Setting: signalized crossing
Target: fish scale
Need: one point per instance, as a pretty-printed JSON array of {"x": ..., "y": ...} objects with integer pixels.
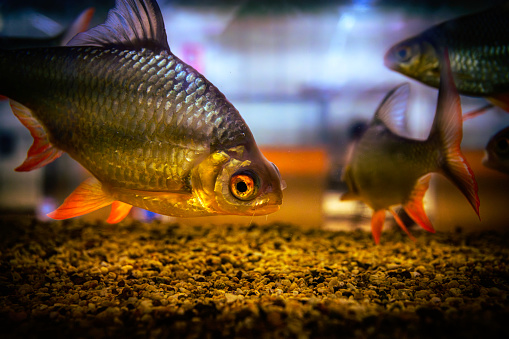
[
  {"x": 152, "y": 131},
  {"x": 131, "y": 123}
]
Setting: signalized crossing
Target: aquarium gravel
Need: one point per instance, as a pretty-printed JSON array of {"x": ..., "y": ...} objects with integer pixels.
[{"x": 77, "y": 279}]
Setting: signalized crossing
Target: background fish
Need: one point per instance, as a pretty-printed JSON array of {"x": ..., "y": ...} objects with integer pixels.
[
  {"x": 497, "y": 152},
  {"x": 79, "y": 25},
  {"x": 153, "y": 132},
  {"x": 387, "y": 169},
  {"x": 478, "y": 47}
]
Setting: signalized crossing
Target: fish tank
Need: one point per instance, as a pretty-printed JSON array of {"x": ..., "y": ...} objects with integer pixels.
[{"x": 307, "y": 78}]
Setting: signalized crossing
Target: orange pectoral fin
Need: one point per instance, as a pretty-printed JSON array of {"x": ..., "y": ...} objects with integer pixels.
[
  {"x": 401, "y": 224},
  {"x": 500, "y": 100},
  {"x": 377, "y": 224},
  {"x": 41, "y": 152},
  {"x": 87, "y": 198},
  {"x": 414, "y": 206},
  {"x": 119, "y": 210}
]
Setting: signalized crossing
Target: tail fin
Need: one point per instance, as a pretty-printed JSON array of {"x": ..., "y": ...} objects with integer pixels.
[{"x": 447, "y": 128}]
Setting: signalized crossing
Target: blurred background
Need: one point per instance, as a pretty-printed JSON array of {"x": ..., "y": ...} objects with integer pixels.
[{"x": 305, "y": 75}]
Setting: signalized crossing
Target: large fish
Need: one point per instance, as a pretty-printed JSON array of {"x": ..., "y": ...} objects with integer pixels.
[
  {"x": 478, "y": 47},
  {"x": 497, "y": 152},
  {"x": 386, "y": 169},
  {"x": 152, "y": 131},
  {"x": 79, "y": 25}
]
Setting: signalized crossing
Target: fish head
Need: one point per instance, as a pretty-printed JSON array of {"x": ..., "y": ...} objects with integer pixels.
[
  {"x": 497, "y": 152},
  {"x": 239, "y": 181},
  {"x": 415, "y": 58}
]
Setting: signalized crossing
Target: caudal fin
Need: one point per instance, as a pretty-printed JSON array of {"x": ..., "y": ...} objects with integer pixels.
[{"x": 447, "y": 128}]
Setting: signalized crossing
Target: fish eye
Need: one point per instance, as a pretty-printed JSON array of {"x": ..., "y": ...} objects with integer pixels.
[
  {"x": 503, "y": 145},
  {"x": 404, "y": 53},
  {"x": 244, "y": 185}
]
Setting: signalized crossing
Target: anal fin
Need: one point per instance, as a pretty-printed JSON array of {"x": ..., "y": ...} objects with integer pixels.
[
  {"x": 119, "y": 210},
  {"x": 41, "y": 152},
  {"x": 414, "y": 206},
  {"x": 86, "y": 198}
]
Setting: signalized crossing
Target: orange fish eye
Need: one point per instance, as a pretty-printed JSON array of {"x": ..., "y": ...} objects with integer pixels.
[{"x": 244, "y": 185}]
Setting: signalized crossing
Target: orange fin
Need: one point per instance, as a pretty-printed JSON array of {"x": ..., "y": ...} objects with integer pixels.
[
  {"x": 87, "y": 198},
  {"x": 414, "y": 206},
  {"x": 477, "y": 112},
  {"x": 401, "y": 224},
  {"x": 79, "y": 25},
  {"x": 447, "y": 127},
  {"x": 500, "y": 100},
  {"x": 41, "y": 152},
  {"x": 119, "y": 210},
  {"x": 377, "y": 224}
]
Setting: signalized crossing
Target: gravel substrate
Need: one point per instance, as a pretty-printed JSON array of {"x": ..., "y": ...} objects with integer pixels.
[{"x": 76, "y": 279}]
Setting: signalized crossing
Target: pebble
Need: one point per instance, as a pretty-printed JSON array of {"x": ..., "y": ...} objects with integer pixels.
[{"x": 161, "y": 280}]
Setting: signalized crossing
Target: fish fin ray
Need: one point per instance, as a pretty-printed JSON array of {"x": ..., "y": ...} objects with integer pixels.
[
  {"x": 447, "y": 127},
  {"x": 500, "y": 100},
  {"x": 119, "y": 210},
  {"x": 477, "y": 112},
  {"x": 377, "y": 224},
  {"x": 414, "y": 207},
  {"x": 392, "y": 110},
  {"x": 401, "y": 224},
  {"x": 86, "y": 198},
  {"x": 42, "y": 152},
  {"x": 79, "y": 25},
  {"x": 132, "y": 24}
]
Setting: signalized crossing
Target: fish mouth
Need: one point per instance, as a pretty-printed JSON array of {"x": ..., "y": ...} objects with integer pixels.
[{"x": 266, "y": 206}]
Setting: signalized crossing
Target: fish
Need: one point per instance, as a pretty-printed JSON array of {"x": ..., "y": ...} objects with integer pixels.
[
  {"x": 79, "y": 25},
  {"x": 388, "y": 169},
  {"x": 152, "y": 131},
  {"x": 497, "y": 152},
  {"x": 478, "y": 46}
]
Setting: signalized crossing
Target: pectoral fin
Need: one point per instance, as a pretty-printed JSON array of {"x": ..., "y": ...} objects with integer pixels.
[
  {"x": 87, "y": 198},
  {"x": 401, "y": 224},
  {"x": 42, "y": 152},
  {"x": 414, "y": 206},
  {"x": 377, "y": 224}
]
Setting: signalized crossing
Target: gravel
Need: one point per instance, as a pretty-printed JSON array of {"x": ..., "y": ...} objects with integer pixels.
[{"x": 77, "y": 279}]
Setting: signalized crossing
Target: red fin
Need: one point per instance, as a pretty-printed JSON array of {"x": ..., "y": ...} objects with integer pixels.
[
  {"x": 414, "y": 206},
  {"x": 401, "y": 224},
  {"x": 377, "y": 224},
  {"x": 41, "y": 152},
  {"x": 87, "y": 198},
  {"x": 477, "y": 112},
  {"x": 500, "y": 100},
  {"x": 79, "y": 25},
  {"x": 3, "y": 98},
  {"x": 447, "y": 127},
  {"x": 119, "y": 210}
]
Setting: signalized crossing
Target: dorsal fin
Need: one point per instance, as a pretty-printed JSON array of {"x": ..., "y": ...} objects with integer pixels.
[
  {"x": 132, "y": 24},
  {"x": 392, "y": 110}
]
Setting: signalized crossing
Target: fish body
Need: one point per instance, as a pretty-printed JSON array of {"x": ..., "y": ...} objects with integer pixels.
[
  {"x": 79, "y": 25},
  {"x": 497, "y": 152},
  {"x": 152, "y": 131},
  {"x": 387, "y": 169},
  {"x": 478, "y": 46}
]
